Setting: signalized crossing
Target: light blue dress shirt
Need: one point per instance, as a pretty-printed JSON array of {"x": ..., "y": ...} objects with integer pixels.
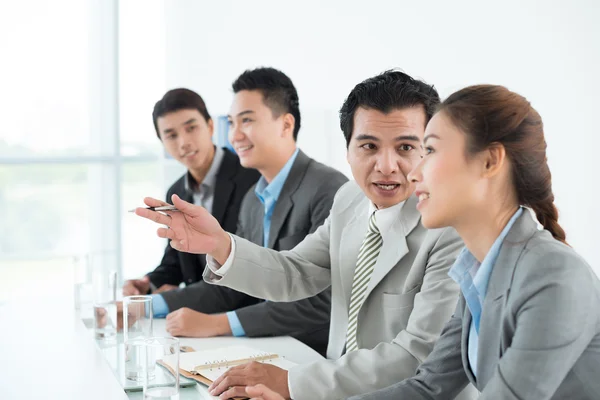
[
  {"x": 268, "y": 194},
  {"x": 473, "y": 279},
  {"x": 160, "y": 309}
]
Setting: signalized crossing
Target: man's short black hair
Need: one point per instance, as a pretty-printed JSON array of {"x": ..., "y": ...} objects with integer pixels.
[
  {"x": 386, "y": 92},
  {"x": 179, "y": 99},
  {"x": 278, "y": 91}
]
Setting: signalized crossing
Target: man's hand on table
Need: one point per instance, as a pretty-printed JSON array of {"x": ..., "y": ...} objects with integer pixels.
[
  {"x": 100, "y": 315},
  {"x": 136, "y": 287},
  {"x": 190, "y": 323},
  {"x": 233, "y": 382}
]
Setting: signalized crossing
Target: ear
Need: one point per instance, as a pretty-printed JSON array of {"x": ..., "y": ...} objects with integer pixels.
[
  {"x": 494, "y": 159},
  {"x": 211, "y": 126},
  {"x": 289, "y": 122}
]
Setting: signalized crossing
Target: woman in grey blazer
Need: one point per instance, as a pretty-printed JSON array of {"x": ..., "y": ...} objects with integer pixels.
[{"x": 527, "y": 323}]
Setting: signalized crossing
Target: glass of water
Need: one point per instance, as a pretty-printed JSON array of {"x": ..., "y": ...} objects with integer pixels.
[
  {"x": 137, "y": 327},
  {"x": 104, "y": 284},
  {"x": 166, "y": 386}
]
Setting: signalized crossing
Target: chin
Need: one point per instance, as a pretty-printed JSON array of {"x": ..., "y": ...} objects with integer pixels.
[
  {"x": 386, "y": 203},
  {"x": 246, "y": 162},
  {"x": 431, "y": 222}
]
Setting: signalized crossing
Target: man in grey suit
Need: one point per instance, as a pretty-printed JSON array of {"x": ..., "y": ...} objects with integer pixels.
[
  {"x": 291, "y": 199},
  {"x": 391, "y": 294}
]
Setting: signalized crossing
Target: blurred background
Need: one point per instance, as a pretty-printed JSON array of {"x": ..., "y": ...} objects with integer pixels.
[{"x": 79, "y": 79}]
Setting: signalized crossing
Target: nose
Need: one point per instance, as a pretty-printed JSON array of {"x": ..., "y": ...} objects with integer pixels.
[
  {"x": 415, "y": 175},
  {"x": 387, "y": 163},
  {"x": 183, "y": 141},
  {"x": 235, "y": 134}
]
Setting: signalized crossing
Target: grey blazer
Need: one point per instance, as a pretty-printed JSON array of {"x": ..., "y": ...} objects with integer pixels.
[
  {"x": 303, "y": 205},
  {"x": 409, "y": 299},
  {"x": 539, "y": 335}
]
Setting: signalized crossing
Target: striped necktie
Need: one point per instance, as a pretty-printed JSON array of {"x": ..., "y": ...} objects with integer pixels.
[{"x": 367, "y": 257}]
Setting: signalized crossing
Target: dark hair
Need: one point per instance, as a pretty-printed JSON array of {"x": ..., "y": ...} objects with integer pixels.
[
  {"x": 490, "y": 114},
  {"x": 179, "y": 99},
  {"x": 386, "y": 92},
  {"x": 278, "y": 91}
]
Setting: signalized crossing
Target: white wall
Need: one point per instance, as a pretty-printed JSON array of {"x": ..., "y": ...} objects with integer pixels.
[{"x": 548, "y": 51}]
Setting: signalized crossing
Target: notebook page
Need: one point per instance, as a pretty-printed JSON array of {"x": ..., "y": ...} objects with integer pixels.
[
  {"x": 188, "y": 361},
  {"x": 280, "y": 362}
]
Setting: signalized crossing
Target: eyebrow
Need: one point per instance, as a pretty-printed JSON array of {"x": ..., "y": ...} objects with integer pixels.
[
  {"x": 171, "y": 130},
  {"x": 412, "y": 138},
  {"x": 245, "y": 112},
  {"x": 431, "y": 136}
]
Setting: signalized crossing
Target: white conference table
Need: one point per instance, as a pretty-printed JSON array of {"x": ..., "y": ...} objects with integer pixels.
[
  {"x": 285, "y": 346},
  {"x": 47, "y": 352}
]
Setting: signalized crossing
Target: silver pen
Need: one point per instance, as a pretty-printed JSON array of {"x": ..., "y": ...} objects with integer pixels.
[{"x": 161, "y": 208}]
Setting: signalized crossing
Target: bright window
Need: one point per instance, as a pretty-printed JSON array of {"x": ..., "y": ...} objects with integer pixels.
[{"x": 77, "y": 144}]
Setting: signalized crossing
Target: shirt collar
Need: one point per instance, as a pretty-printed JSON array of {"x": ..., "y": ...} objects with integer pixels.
[
  {"x": 210, "y": 180},
  {"x": 272, "y": 190},
  {"x": 385, "y": 217},
  {"x": 466, "y": 263}
]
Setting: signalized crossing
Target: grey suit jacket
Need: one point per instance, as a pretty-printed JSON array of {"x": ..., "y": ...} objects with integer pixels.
[
  {"x": 302, "y": 206},
  {"x": 409, "y": 299},
  {"x": 539, "y": 334}
]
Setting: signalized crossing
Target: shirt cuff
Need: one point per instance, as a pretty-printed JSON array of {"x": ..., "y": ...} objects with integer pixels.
[
  {"x": 160, "y": 309},
  {"x": 217, "y": 268},
  {"x": 234, "y": 323}
]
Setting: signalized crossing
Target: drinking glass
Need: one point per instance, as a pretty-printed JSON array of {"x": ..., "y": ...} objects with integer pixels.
[
  {"x": 166, "y": 386},
  {"x": 137, "y": 327},
  {"x": 104, "y": 286}
]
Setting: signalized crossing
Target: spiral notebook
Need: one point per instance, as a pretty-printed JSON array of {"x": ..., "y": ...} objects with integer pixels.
[{"x": 206, "y": 366}]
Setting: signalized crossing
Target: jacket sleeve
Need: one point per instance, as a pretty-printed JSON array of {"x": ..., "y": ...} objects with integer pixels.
[
  {"x": 207, "y": 299},
  {"x": 300, "y": 319},
  {"x": 285, "y": 276}
]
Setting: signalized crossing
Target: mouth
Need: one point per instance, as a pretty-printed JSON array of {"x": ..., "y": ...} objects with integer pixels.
[
  {"x": 386, "y": 186},
  {"x": 243, "y": 149},
  {"x": 190, "y": 154},
  {"x": 422, "y": 195}
]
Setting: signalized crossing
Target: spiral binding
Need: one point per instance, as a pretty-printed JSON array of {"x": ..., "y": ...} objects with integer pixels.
[{"x": 218, "y": 364}]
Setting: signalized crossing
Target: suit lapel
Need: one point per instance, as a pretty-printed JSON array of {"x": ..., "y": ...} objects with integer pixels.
[
  {"x": 285, "y": 202},
  {"x": 395, "y": 247},
  {"x": 464, "y": 342},
  {"x": 254, "y": 222},
  {"x": 224, "y": 186},
  {"x": 490, "y": 339},
  {"x": 351, "y": 239}
]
